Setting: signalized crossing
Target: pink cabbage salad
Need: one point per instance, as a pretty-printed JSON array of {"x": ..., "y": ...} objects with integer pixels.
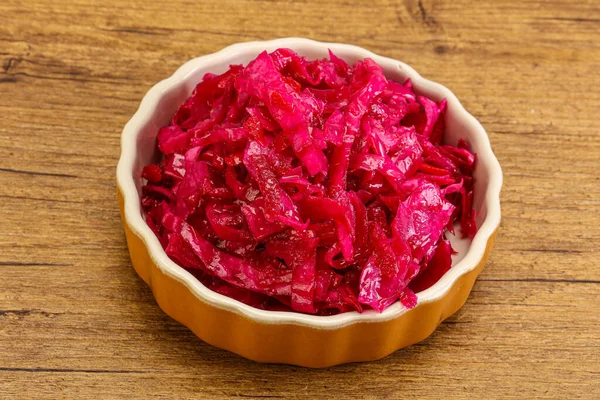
[{"x": 309, "y": 186}]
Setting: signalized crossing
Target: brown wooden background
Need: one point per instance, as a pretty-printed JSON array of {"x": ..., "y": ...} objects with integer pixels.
[{"x": 76, "y": 322}]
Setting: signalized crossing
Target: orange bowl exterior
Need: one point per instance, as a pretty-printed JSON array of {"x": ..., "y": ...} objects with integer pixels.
[{"x": 289, "y": 343}]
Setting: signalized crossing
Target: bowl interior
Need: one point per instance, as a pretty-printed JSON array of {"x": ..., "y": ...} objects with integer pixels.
[{"x": 162, "y": 101}]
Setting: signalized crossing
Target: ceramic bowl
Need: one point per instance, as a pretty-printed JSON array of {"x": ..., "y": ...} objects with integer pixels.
[{"x": 288, "y": 337}]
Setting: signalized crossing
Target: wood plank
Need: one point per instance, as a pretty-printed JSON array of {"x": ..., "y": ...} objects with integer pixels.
[{"x": 75, "y": 320}]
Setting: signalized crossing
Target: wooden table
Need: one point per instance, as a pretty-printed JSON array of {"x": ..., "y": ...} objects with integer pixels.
[{"x": 75, "y": 320}]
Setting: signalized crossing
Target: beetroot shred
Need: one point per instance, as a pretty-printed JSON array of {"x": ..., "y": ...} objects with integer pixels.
[{"x": 309, "y": 186}]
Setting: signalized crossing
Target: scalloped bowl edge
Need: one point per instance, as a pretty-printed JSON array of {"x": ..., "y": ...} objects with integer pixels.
[{"x": 287, "y": 337}]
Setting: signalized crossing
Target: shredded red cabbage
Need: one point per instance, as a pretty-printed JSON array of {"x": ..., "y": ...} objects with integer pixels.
[{"x": 310, "y": 186}]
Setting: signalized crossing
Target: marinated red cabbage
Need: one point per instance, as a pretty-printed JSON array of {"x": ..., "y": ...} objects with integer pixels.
[{"x": 309, "y": 186}]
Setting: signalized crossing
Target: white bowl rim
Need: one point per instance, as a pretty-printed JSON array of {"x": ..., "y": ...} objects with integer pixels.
[{"x": 133, "y": 215}]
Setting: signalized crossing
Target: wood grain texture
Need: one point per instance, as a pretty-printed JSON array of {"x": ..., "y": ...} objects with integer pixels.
[{"x": 75, "y": 320}]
